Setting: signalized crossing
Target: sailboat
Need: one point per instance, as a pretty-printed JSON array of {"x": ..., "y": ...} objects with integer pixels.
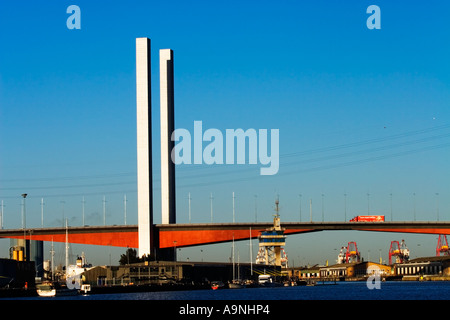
[
  {"x": 235, "y": 283},
  {"x": 54, "y": 288}
]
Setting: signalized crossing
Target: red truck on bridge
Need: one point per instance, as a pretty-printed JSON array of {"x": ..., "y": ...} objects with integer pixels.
[{"x": 367, "y": 219}]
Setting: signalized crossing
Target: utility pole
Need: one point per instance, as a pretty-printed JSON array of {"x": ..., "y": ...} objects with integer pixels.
[
  {"x": 82, "y": 211},
  {"x": 345, "y": 207},
  {"x": 322, "y": 208},
  {"x": 391, "y": 205},
  {"x": 1, "y": 217},
  {"x": 104, "y": 211},
  {"x": 42, "y": 212},
  {"x": 300, "y": 210},
  {"x": 256, "y": 208},
  {"x": 63, "y": 213},
  {"x": 437, "y": 206},
  {"x": 189, "y": 201},
  {"x": 233, "y": 209},
  {"x": 211, "y": 199},
  {"x": 125, "y": 208}
]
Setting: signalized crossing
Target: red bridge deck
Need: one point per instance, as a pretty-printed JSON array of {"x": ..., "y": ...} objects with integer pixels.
[{"x": 185, "y": 235}]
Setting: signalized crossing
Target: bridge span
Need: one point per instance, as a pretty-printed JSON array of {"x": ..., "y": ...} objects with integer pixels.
[{"x": 193, "y": 234}]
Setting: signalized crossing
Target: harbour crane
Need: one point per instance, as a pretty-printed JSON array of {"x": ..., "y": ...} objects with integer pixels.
[
  {"x": 442, "y": 246},
  {"x": 352, "y": 254},
  {"x": 399, "y": 251}
]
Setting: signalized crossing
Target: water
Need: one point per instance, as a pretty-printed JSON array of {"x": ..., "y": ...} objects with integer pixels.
[
  {"x": 426, "y": 290},
  {"x": 320, "y": 301}
]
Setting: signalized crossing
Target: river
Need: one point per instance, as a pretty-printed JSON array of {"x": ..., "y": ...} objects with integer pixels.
[
  {"x": 328, "y": 300},
  {"x": 395, "y": 290}
]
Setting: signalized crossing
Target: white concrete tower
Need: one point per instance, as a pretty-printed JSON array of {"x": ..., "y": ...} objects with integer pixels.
[
  {"x": 144, "y": 146},
  {"x": 168, "y": 206}
]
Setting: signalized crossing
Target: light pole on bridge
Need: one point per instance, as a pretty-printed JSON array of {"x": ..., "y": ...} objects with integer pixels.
[{"x": 24, "y": 195}]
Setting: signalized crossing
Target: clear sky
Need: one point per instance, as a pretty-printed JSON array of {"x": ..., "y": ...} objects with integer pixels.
[{"x": 363, "y": 115}]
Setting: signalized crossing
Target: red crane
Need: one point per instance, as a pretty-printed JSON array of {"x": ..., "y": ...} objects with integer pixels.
[
  {"x": 442, "y": 245},
  {"x": 400, "y": 252},
  {"x": 352, "y": 254},
  {"x": 394, "y": 250}
]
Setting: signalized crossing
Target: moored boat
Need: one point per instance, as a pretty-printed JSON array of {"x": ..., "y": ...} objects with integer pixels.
[
  {"x": 236, "y": 284},
  {"x": 49, "y": 289},
  {"x": 217, "y": 285},
  {"x": 268, "y": 281}
]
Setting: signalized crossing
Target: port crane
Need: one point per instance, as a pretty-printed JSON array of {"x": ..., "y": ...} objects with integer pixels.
[
  {"x": 442, "y": 246},
  {"x": 399, "y": 251},
  {"x": 349, "y": 254},
  {"x": 352, "y": 254}
]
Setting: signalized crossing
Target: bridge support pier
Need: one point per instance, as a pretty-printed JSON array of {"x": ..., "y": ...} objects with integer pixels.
[
  {"x": 168, "y": 207},
  {"x": 144, "y": 146}
]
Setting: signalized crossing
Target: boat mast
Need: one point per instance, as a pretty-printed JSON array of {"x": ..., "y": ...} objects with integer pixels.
[
  {"x": 233, "y": 259},
  {"x": 53, "y": 269},
  {"x": 251, "y": 258},
  {"x": 67, "y": 247}
]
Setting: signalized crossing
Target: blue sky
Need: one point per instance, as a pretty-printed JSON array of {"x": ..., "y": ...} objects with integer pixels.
[{"x": 360, "y": 112}]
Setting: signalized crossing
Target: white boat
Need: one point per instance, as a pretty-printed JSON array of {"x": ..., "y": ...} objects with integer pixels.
[
  {"x": 46, "y": 290},
  {"x": 49, "y": 289},
  {"x": 265, "y": 280}
]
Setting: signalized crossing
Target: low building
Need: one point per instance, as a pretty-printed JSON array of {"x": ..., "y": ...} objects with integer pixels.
[
  {"x": 303, "y": 272},
  {"x": 364, "y": 269},
  {"x": 431, "y": 266},
  {"x": 354, "y": 270},
  {"x": 164, "y": 272},
  {"x": 337, "y": 271},
  {"x": 138, "y": 273}
]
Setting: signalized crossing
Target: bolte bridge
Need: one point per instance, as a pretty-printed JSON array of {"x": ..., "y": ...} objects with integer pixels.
[{"x": 194, "y": 234}]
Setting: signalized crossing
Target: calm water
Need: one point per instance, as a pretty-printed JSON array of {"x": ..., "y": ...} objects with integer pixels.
[{"x": 340, "y": 291}]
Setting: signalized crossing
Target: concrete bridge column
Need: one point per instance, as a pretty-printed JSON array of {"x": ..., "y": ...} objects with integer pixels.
[
  {"x": 144, "y": 146},
  {"x": 168, "y": 207}
]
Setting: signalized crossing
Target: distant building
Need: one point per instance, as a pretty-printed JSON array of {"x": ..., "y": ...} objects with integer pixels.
[
  {"x": 427, "y": 266},
  {"x": 310, "y": 272},
  {"x": 354, "y": 270},
  {"x": 369, "y": 268},
  {"x": 420, "y": 267},
  {"x": 163, "y": 272}
]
